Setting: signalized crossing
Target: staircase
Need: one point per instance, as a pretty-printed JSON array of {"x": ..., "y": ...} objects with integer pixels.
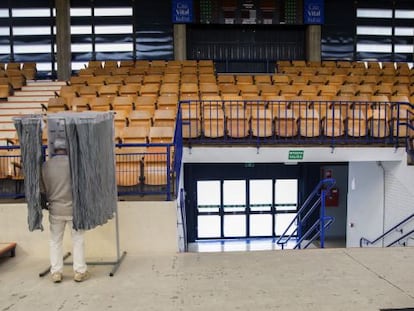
[
  {"x": 315, "y": 203},
  {"x": 31, "y": 99}
]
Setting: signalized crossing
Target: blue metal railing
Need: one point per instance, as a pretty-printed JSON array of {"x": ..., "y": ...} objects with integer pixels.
[
  {"x": 294, "y": 120},
  {"x": 364, "y": 241},
  {"x": 315, "y": 200}
]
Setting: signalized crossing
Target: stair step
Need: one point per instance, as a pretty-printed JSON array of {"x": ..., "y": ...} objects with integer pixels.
[
  {"x": 41, "y": 88},
  {"x": 29, "y": 98},
  {"x": 45, "y": 82},
  {"x": 39, "y": 93},
  {"x": 18, "y": 105}
]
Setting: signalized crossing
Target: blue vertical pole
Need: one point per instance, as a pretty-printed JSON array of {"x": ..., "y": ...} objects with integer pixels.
[
  {"x": 168, "y": 173},
  {"x": 322, "y": 219},
  {"x": 299, "y": 231}
]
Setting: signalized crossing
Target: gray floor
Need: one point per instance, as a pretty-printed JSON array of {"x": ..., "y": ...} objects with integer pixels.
[{"x": 313, "y": 279}]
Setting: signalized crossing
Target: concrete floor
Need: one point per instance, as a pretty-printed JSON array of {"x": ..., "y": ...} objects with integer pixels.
[{"x": 314, "y": 279}]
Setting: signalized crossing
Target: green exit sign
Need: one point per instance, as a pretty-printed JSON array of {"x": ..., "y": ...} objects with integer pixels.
[{"x": 296, "y": 154}]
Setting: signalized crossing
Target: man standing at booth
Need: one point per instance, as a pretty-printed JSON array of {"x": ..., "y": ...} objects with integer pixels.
[{"x": 57, "y": 186}]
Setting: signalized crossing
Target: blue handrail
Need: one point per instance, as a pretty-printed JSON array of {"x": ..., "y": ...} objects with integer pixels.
[
  {"x": 323, "y": 221},
  {"x": 392, "y": 229}
]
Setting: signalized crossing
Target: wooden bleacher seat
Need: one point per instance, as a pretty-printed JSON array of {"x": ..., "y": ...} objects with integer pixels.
[
  {"x": 188, "y": 88},
  {"x": 102, "y": 72},
  {"x": 120, "y": 119},
  {"x": 121, "y": 71},
  {"x": 378, "y": 122},
  {"x": 56, "y": 104},
  {"x": 309, "y": 123},
  {"x": 114, "y": 80},
  {"x": 262, "y": 123},
  {"x": 164, "y": 117},
  {"x": 286, "y": 123},
  {"x": 150, "y": 89},
  {"x": 88, "y": 91},
  {"x": 209, "y": 89},
  {"x": 364, "y": 89},
  {"x": 169, "y": 101},
  {"x": 328, "y": 63},
  {"x": 161, "y": 134},
  {"x": 188, "y": 78},
  {"x": 343, "y": 64},
  {"x": 262, "y": 79},
  {"x": 244, "y": 79},
  {"x": 225, "y": 79},
  {"x": 155, "y": 166},
  {"x": 100, "y": 103},
  {"x": 205, "y": 63},
  {"x": 299, "y": 63},
  {"x": 86, "y": 72},
  {"x": 229, "y": 89},
  {"x": 317, "y": 80},
  {"x": 400, "y": 90},
  {"x": 111, "y": 64},
  {"x": 326, "y": 90},
  {"x": 254, "y": 102},
  {"x": 108, "y": 90},
  {"x": 205, "y": 70},
  {"x": 129, "y": 90},
  {"x": 170, "y": 89},
  {"x": 6, "y": 89},
  {"x": 308, "y": 90},
  {"x": 29, "y": 70},
  {"x": 141, "y": 118},
  {"x": 8, "y": 248},
  {"x": 152, "y": 79},
  {"x": 135, "y": 135},
  {"x": 145, "y": 103},
  {"x": 128, "y": 165},
  {"x": 289, "y": 90},
  {"x": 133, "y": 80},
  {"x": 213, "y": 122},
  {"x": 382, "y": 90},
  {"x": 268, "y": 90},
  {"x": 171, "y": 78},
  {"x": 237, "y": 121},
  {"x": 123, "y": 103},
  {"x": 96, "y": 81},
  {"x": 356, "y": 121},
  {"x": 333, "y": 123},
  {"x": 400, "y": 112},
  {"x": 189, "y": 71},
  {"x": 248, "y": 89},
  {"x": 79, "y": 103},
  {"x": 94, "y": 64},
  {"x": 127, "y": 63},
  {"x": 78, "y": 80},
  {"x": 279, "y": 79},
  {"x": 191, "y": 123}
]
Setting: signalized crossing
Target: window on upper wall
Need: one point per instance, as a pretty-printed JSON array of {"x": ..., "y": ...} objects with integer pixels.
[
  {"x": 385, "y": 31},
  {"x": 101, "y": 33}
]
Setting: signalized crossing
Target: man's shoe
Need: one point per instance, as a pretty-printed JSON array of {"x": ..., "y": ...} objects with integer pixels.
[
  {"x": 57, "y": 277},
  {"x": 80, "y": 277}
]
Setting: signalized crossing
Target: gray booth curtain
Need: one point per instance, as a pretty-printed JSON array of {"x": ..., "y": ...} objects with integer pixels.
[
  {"x": 29, "y": 131},
  {"x": 92, "y": 160},
  {"x": 90, "y": 144}
]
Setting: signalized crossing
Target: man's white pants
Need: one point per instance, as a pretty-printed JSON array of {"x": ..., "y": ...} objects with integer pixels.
[{"x": 57, "y": 230}]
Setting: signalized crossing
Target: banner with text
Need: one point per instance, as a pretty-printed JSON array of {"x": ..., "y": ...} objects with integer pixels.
[
  {"x": 182, "y": 11},
  {"x": 313, "y": 11}
]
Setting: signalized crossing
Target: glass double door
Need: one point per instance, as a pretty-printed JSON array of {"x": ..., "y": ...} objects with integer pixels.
[{"x": 245, "y": 208}]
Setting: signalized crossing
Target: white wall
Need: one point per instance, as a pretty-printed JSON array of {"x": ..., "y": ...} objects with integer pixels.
[
  {"x": 399, "y": 198},
  {"x": 365, "y": 202},
  {"x": 144, "y": 227}
]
